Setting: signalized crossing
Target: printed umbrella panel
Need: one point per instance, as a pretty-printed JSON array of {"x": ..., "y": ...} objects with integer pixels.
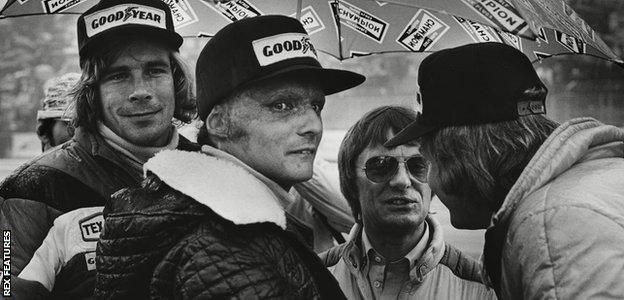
[{"x": 345, "y": 29}]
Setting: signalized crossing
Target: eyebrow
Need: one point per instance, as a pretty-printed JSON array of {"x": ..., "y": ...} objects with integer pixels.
[{"x": 149, "y": 64}]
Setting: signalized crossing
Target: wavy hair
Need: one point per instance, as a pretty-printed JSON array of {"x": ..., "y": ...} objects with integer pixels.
[
  {"x": 482, "y": 162},
  {"x": 371, "y": 130},
  {"x": 87, "y": 98}
]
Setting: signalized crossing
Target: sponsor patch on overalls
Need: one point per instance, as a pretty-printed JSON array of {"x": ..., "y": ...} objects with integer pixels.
[{"x": 91, "y": 227}]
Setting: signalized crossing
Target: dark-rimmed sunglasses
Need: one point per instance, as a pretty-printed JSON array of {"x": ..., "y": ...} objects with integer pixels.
[{"x": 381, "y": 168}]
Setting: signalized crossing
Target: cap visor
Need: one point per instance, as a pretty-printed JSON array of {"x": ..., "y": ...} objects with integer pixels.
[
  {"x": 411, "y": 132},
  {"x": 331, "y": 80}
]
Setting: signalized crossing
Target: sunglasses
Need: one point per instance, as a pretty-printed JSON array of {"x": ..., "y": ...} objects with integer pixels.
[{"x": 381, "y": 168}]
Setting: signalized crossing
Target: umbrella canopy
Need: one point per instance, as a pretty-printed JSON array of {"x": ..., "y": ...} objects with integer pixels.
[{"x": 351, "y": 28}]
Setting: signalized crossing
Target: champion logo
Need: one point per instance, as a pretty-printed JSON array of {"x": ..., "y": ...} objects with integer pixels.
[
  {"x": 310, "y": 20},
  {"x": 422, "y": 32},
  {"x": 182, "y": 12},
  {"x": 501, "y": 13},
  {"x": 122, "y": 15},
  {"x": 478, "y": 32},
  {"x": 56, "y": 6},
  {"x": 234, "y": 10},
  {"x": 359, "y": 20},
  {"x": 283, "y": 46}
]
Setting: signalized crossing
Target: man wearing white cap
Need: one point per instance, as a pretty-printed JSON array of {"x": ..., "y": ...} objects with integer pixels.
[{"x": 54, "y": 119}]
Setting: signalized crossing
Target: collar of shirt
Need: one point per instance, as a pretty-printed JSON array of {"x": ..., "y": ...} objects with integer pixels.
[{"x": 370, "y": 254}]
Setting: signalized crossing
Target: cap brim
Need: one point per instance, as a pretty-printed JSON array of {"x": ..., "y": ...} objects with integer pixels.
[
  {"x": 411, "y": 132},
  {"x": 49, "y": 114},
  {"x": 167, "y": 37},
  {"x": 331, "y": 80}
]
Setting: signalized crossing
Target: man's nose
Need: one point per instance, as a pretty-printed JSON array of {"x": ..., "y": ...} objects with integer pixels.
[
  {"x": 311, "y": 123},
  {"x": 142, "y": 90},
  {"x": 401, "y": 179}
]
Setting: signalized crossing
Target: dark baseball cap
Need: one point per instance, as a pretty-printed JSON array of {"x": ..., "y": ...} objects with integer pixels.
[
  {"x": 110, "y": 19},
  {"x": 473, "y": 84},
  {"x": 258, "y": 48}
]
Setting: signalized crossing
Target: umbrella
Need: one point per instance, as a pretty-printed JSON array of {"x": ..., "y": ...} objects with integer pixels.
[{"x": 352, "y": 28}]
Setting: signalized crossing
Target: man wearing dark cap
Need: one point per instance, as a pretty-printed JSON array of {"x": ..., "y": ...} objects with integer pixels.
[
  {"x": 551, "y": 196},
  {"x": 212, "y": 224},
  {"x": 133, "y": 84}
]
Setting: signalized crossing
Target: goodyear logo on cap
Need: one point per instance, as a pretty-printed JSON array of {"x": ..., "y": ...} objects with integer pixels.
[
  {"x": 123, "y": 15},
  {"x": 284, "y": 46}
]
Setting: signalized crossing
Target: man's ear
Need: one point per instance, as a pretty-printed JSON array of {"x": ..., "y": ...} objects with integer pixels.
[{"x": 217, "y": 123}]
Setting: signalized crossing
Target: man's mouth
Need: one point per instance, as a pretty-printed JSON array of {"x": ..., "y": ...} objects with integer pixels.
[
  {"x": 142, "y": 114},
  {"x": 304, "y": 151},
  {"x": 400, "y": 201}
]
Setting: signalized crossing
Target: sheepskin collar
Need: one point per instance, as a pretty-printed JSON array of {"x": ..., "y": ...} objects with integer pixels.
[{"x": 220, "y": 184}]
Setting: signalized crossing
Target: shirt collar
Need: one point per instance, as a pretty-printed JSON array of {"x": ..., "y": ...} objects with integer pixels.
[{"x": 412, "y": 256}]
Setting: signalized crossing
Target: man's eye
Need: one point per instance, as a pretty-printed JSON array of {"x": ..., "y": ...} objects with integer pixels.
[
  {"x": 281, "y": 106},
  {"x": 158, "y": 71},
  {"x": 116, "y": 76}
]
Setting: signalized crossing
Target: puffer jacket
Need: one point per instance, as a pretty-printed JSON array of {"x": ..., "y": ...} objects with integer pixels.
[
  {"x": 443, "y": 272},
  {"x": 560, "y": 231},
  {"x": 82, "y": 172},
  {"x": 204, "y": 227}
]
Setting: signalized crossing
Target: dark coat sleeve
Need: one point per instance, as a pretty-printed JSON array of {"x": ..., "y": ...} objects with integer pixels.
[
  {"x": 29, "y": 222},
  {"x": 50, "y": 186}
]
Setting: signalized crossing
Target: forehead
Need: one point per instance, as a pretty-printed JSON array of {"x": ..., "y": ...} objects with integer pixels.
[
  {"x": 379, "y": 150},
  {"x": 140, "y": 52}
]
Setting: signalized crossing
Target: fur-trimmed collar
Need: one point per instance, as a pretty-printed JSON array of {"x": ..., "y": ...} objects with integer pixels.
[{"x": 229, "y": 190}]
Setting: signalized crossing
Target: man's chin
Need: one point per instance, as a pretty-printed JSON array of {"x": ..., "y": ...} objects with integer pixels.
[{"x": 460, "y": 223}]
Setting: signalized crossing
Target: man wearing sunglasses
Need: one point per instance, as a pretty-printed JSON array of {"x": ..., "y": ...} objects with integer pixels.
[{"x": 395, "y": 250}]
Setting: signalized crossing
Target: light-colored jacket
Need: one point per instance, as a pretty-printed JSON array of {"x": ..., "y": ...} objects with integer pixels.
[
  {"x": 442, "y": 272},
  {"x": 560, "y": 231}
]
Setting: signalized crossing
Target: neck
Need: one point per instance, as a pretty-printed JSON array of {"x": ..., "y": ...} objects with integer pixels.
[{"x": 392, "y": 244}]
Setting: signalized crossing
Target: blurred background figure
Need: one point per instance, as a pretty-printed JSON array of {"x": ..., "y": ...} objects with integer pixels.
[{"x": 57, "y": 108}]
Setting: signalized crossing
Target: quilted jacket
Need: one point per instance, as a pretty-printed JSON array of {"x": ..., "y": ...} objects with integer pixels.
[
  {"x": 560, "y": 231},
  {"x": 204, "y": 227}
]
